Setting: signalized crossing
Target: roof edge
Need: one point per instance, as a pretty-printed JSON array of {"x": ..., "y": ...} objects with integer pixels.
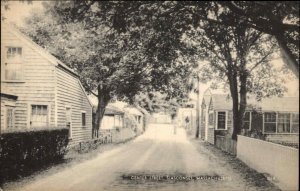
[{"x": 10, "y": 96}]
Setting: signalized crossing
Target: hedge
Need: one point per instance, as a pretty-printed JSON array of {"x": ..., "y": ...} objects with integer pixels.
[{"x": 22, "y": 153}]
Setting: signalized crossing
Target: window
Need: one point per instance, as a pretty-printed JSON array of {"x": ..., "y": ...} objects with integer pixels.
[
  {"x": 10, "y": 118},
  {"x": 247, "y": 120},
  {"x": 221, "y": 120},
  {"x": 281, "y": 122},
  {"x": 83, "y": 119},
  {"x": 295, "y": 123},
  {"x": 283, "y": 125},
  {"x": 39, "y": 116},
  {"x": 13, "y": 63},
  {"x": 270, "y": 122}
]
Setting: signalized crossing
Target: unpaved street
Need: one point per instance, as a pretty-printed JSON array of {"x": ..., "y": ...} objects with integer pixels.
[{"x": 157, "y": 160}]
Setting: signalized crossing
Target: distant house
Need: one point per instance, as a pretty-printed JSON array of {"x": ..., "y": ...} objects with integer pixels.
[
  {"x": 146, "y": 117},
  {"x": 113, "y": 117},
  {"x": 120, "y": 122},
  {"x": 137, "y": 115},
  {"x": 121, "y": 115},
  {"x": 39, "y": 91},
  {"x": 276, "y": 118},
  {"x": 216, "y": 116}
]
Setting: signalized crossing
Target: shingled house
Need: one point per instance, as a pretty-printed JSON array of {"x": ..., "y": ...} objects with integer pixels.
[
  {"x": 276, "y": 118},
  {"x": 39, "y": 91}
]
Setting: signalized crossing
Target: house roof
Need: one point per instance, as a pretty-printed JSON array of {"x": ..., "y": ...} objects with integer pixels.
[
  {"x": 9, "y": 96},
  {"x": 133, "y": 111},
  {"x": 209, "y": 92},
  {"x": 285, "y": 104},
  {"x": 109, "y": 110},
  {"x": 221, "y": 102},
  {"x": 280, "y": 104}
]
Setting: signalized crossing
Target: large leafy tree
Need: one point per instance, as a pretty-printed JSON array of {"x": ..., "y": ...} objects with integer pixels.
[
  {"x": 155, "y": 102},
  {"x": 154, "y": 31},
  {"x": 241, "y": 56},
  {"x": 277, "y": 18},
  {"x": 111, "y": 62},
  {"x": 236, "y": 34}
]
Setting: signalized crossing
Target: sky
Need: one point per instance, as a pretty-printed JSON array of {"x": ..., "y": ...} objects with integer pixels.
[{"x": 18, "y": 11}]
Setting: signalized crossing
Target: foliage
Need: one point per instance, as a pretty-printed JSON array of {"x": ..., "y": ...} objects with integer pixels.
[
  {"x": 110, "y": 62},
  {"x": 123, "y": 48},
  {"x": 155, "y": 102},
  {"x": 277, "y": 18},
  {"x": 240, "y": 56},
  {"x": 124, "y": 63},
  {"x": 234, "y": 47},
  {"x": 24, "y": 152},
  {"x": 129, "y": 121}
]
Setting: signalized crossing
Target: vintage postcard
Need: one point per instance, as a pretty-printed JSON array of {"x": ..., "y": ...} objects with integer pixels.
[{"x": 149, "y": 95}]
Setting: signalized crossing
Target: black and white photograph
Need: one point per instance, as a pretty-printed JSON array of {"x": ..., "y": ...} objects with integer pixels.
[{"x": 149, "y": 95}]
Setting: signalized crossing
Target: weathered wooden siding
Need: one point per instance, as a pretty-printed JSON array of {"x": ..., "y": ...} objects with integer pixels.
[
  {"x": 211, "y": 105},
  {"x": 211, "y": 135},
  {"x": 37, "y": 85},
  {"x": 211, "y": 128},
  {"x": 4, "y": 103},
  {"x": 2, "y": 113},
  {"x": 203, "y": 121},
  {"x": 70, "y": 94}
]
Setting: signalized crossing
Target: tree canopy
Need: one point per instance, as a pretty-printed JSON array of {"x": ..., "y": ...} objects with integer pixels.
[
  {"x": 237, "y": 54},
  {"x": 277, "y": 18},
  {"x": 111, "y": 63},
  {"x": 122, "y": 48}
]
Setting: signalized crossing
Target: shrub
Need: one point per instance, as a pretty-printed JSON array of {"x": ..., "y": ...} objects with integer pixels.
[
  {"x": 24, "y": 152},
  {"x": 254, "y": 134}
]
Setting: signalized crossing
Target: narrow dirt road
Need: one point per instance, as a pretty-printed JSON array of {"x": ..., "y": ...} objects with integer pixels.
[{"x": 157, "y": 160}]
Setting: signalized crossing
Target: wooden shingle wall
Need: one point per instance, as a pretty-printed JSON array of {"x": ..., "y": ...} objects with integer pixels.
[
  {"x": 70, "y": 94},
  {"x": 37, "y": 85}
]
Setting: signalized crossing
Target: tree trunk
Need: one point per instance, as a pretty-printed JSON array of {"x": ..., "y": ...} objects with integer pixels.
[
  {"x": 243, "y": 99},
  {"x": 103, "y": 99},
  {"x": 236, "y": 116},
  {"x": 197, "y": 109},
  {"x": 233, "y": 84}
]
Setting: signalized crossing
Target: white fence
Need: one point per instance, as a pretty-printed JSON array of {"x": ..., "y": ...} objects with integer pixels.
[{"x": 281, "y": 162}]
